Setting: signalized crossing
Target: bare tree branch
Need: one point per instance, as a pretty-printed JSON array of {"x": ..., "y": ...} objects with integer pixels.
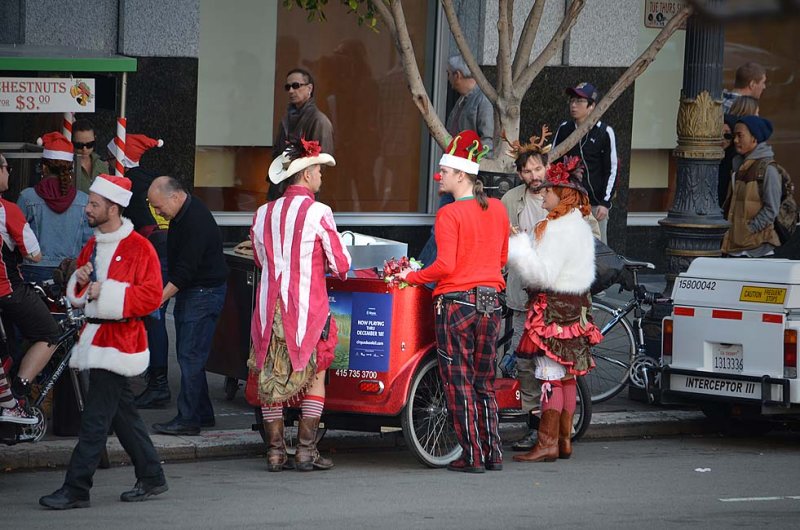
[
  {"x": 625, "y": 80},
  {"x": 386, "y": 16},
  {"x": 523, "y": 82},
  {"x": 466, "y": 53},
  {"x": 504, "y": 31},
  {"x": 527, "y": 38},
  {"x": 415, "y": 84}
]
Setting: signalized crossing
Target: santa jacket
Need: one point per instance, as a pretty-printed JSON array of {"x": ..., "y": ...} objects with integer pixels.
[
  {"x": 562, "y": 261},
  {"x": 127, "y": 267},
  {"x": 295, "y": 242}
]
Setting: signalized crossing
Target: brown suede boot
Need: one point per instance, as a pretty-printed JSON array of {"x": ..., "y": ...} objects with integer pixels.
[
  {"x": 565, "y": 435},
  {"x": 277, "y": 459},
  {"x": 307, "y": 458},
  {"x": 546, "y": 448}
]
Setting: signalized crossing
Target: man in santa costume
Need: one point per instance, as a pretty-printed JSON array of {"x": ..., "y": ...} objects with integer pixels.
[
  {"x": 472, "y": 241},
  {"x": 117, "y": 283},
  {"x": 295, "y": 242}
]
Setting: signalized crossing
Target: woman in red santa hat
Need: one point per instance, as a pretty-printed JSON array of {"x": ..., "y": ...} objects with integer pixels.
[
  {"x": 54, "y": 209},
  {"x": 472, "y": 240},
  {"x": 558, "y": 329}
]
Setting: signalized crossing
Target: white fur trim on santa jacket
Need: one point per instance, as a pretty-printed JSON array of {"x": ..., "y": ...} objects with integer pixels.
[
  {"x": 129, "y": 273},
  {"x": 561, "y": 261}
]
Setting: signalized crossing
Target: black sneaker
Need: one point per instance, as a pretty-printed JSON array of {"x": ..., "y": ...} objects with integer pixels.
[
  {"x": 176, "y": 428},
  {"x": 63, "y": 499},
  {"x": 142, "y": 490}
]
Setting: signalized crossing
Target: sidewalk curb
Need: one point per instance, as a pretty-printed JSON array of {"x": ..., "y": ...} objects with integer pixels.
[{"x": 247, "y": 443}]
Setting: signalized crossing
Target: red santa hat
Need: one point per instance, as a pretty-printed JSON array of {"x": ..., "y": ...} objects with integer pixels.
[
  {"x": 115, "y": 189},
  {"x": 135, "y": 146},
  {"x": 464, "y": 152},
  {"x": 56, "y": 147}
]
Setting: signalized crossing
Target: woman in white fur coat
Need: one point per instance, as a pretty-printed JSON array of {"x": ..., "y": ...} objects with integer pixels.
[{"x": 556, "y": 264}]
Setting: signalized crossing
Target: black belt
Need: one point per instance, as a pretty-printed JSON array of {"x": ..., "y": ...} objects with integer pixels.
[{"x": 109, "y": 321}]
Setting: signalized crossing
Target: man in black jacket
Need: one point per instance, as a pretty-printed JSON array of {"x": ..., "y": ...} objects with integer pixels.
[
  {"x": 598, "y": 151},
  {"x": 197, "y": 279}
]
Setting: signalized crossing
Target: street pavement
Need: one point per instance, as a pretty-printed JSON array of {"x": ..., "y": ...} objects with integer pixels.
[
  {"x": 232, "y": 436},
  {"x": 676, "y": 482}
]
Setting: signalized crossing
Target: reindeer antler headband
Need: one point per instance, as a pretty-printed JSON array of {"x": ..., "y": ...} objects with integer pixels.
[{"x": 536, "y": 144}]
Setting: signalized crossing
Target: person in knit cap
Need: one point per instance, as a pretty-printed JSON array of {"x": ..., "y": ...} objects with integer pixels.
[
  {"x": 472, "y": 241},
  {"x": 54, "y": 208},
  {"x": 556, "y": 263},
  {"x": 754, "y": 195},
  {"x": 117, "y": 283},
  {"x": 295, "y": 242},
  {"x": 154, "y": 227}
]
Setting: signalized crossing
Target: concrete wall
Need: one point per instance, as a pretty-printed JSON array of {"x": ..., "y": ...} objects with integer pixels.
[{"x": 159, "y": 28}]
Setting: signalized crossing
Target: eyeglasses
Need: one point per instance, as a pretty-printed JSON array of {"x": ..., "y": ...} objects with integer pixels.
[
  {"x": 728, "y": 136},
  {"x": 577, "y": 100},
  {"x": 81, "y": 145},
  {"x": 294, "y": 85}
]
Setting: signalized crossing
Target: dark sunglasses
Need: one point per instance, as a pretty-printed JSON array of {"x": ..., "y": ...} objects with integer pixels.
[
  {"x": 727, "y": 136},
  {"x": 294, "y": 85},
  {"x": 81, "y": 145}
]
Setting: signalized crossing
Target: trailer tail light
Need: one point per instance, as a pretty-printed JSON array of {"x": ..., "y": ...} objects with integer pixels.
[
  {"x": 666, "y": 341},
  {"x": 790, "y": 353},
  {"x": 370, "y": 386}
]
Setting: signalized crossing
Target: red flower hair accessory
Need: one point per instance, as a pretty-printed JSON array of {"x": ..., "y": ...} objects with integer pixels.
[{"x": 565, "y": 174}]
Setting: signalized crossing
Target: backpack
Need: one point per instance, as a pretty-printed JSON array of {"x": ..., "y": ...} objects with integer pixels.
[{"x": 787, "y": 218}]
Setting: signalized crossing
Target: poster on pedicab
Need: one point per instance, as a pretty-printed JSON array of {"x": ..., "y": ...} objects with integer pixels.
[
  {"x": 364, "y": 322},
  {"x": 46, "y": 94}
]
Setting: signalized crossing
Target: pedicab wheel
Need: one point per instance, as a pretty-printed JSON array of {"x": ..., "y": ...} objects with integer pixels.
[
  {"x": 426, "y": 423},
  {"x": 583, "y": 411}
]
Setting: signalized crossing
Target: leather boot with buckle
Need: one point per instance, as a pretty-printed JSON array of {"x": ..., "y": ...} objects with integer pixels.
[
  {"x": 277, "y": 459},
  {"x": 565, "y": 435},
  {"x": 307, "y": 457},
  {"x": 546, "y": 448}
]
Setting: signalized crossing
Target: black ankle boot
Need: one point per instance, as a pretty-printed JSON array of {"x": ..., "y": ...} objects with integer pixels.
[{"x": 157, "y": 394}]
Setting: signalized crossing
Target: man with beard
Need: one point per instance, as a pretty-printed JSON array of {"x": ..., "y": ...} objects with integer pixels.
[{"x": 117, "y": 283}]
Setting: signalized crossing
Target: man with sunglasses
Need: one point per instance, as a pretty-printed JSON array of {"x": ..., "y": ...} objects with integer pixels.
[
  {"x": 302, "y": 119},
  {"x": 88, "y": 163}
]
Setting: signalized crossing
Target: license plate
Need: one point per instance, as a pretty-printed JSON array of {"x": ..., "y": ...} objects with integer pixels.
[
  {"x": 714, "y": 387},
  {"x": 728, "y": 358}
]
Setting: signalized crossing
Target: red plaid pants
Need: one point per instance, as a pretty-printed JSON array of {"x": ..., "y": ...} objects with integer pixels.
[{"x": 467, "y": 349}]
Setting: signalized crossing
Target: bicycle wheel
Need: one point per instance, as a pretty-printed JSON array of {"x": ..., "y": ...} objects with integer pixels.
[
  {"x": 583, "y": 410},
  {"x": 426, "y": 424},
  {"x": 612, "y": 357}
]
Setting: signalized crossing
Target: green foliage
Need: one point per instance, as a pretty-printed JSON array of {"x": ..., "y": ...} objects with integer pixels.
[{"x": 364, "y": 10}]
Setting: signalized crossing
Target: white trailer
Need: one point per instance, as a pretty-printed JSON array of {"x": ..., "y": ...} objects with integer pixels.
[{"x": 731, "y": 341}]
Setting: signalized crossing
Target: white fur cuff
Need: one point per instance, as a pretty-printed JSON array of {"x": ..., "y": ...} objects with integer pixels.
[
  {"x": 74, "y": 299},
  {"x": 111, "y": 301}
]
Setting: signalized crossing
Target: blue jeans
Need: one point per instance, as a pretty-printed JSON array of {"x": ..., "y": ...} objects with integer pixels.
[{"x": 196, "y": 312}]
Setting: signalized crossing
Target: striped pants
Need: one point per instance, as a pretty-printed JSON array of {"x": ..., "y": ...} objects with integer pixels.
[{"x": 466, "y": 345}]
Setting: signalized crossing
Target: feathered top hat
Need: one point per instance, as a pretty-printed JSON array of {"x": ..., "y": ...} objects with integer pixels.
[
  {"x": 465, "y": 152},
  {"x": 298, "y": 155},
  {"x": 565, "y": 174}
]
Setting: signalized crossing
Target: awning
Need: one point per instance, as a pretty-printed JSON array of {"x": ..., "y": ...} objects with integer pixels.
[{"x": 59, "y": 59}]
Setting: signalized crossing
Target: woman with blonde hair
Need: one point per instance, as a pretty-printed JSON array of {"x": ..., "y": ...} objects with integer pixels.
[{"x": 558, "y": 328}]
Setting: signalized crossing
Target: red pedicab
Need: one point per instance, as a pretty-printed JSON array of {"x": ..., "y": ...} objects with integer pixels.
[{"x": 385, "y": 375}]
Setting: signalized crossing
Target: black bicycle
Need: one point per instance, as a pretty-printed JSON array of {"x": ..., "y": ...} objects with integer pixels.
[{"x": 71, "y": 321}]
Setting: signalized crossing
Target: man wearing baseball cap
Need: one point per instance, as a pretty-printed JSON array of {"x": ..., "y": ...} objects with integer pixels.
[
  {"x": 117, "y": 283},
  {"x": 597, "y": 151}
]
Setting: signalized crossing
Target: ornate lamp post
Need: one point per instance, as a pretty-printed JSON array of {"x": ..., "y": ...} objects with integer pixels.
[{"x": 695, "y": 225}]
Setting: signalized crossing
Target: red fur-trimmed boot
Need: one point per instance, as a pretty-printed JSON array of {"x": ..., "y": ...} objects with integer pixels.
[{"x": 546, "y": 448}]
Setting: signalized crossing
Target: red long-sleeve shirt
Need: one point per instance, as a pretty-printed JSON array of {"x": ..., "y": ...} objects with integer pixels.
[{"x": 472, "y": 247}]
